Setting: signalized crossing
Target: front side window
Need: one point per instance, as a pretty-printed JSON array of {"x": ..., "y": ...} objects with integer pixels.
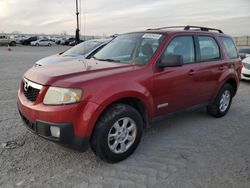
[
  {"x": 209, "y": 49},
  {"x": 135, "y": 48},
  {"x": 183, "y": 46},
  {"x": 229, "y": 47}
]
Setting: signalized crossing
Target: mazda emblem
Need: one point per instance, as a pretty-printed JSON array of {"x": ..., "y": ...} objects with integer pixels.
[{"x": 26, "y": 86}]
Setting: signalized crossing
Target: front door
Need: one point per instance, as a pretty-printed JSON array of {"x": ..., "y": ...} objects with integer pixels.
[{"x": 176, "y": 88}]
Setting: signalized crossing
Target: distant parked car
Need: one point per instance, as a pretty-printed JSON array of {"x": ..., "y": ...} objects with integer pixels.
[
  {"x": 69, "y": 40},
  {"x": 84, "y": 50},
  {"x": 73, "y": 43},
  {"x": 5, "y": 40},
  {"x": 61, "y": 41},
  {"x": 28, "y": 40},
  {"x": 19, "y": 39},
  {"x": 58, "y": 40},
  {"x": 244, "y": 52},
  {"x": 42, "y": 42},
  {"x": 245, "y": 73}
]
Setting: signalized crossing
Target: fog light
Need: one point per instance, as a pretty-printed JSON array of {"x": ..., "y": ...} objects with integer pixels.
[{"x": 55, "y": 131}]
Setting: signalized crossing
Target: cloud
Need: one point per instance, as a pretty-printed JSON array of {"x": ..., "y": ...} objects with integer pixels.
[{"x": 118, "y": 16}]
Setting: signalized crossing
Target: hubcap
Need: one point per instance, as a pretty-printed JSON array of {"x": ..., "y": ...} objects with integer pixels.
[
  {"x": 122, "y": 135},
  {"x": 225, "y": 100}
]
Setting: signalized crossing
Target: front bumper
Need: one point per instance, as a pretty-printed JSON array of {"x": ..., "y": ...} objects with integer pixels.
[
  {"x": 245, "y": 74},
  {"x": 67, "y": 138},
  {"x": 75, "y": 121}
]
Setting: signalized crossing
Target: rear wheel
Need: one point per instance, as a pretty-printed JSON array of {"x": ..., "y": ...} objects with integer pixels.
[
  {"x": 222, "y": 102},
  {"x": 13, "y": 43},
  {"x": 117, "y": 133}
]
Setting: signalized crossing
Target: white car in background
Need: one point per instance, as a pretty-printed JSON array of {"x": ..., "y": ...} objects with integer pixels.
[
  {"x": 42, "y": 42},
  {"x": 6, "y": 40},
  {"x": 245, "y": 74}
]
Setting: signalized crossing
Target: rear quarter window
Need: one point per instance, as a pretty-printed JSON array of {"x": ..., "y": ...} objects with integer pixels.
[{"x": 229, "y": 47}]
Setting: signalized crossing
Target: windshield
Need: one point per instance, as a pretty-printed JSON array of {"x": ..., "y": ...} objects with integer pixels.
[
  {"x": 82, "y": 48},
  {"x": 135, "y": 48}
]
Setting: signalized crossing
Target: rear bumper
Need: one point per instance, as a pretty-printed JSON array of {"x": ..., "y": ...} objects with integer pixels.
[{"x": 67, "y": 138}]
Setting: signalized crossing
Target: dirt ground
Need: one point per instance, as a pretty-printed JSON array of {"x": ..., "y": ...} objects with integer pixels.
[{"x": 193, "y": 150}]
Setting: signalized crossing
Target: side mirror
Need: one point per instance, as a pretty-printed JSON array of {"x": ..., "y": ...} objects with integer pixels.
[{"x": 171, "y": 61}]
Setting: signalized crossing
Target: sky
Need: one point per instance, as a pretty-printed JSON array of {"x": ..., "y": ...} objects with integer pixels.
[{"x": 106, "y": 17}]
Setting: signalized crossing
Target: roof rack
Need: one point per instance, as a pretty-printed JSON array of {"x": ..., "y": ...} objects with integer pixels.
[{"x": 188, "y": 27}]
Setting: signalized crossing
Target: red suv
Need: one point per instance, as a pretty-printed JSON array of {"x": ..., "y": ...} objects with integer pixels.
[{"x": 107, "y": 101}]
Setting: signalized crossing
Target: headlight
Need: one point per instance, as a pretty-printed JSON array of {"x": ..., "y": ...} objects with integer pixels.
[{"x": 57, "y": 96}]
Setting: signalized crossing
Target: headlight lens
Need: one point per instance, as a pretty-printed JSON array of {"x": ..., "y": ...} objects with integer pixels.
[{"x": 58, "y": 96}]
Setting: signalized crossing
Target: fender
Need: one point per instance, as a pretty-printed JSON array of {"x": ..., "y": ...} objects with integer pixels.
[
  {"x": 105, "y": 98},
  {"x": 227, "y": 75}
]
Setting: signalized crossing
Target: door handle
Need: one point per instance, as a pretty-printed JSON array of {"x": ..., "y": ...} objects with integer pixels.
[{"x": 191, "y": 72}]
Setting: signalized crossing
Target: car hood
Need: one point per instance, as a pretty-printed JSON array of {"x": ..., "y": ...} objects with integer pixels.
[
  {"x": 73, "y": 72},
  {"x": 58, "y": 59}
]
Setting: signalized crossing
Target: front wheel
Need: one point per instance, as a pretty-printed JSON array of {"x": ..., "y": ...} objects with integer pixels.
[
  {"x": 222, "y": 101},
  {"x": 117, "y": 133}
]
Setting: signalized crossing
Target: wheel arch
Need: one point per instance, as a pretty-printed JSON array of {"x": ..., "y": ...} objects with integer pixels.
[
  {"x": 135, "y": 102},
  {"x": 233, "y": 83}
]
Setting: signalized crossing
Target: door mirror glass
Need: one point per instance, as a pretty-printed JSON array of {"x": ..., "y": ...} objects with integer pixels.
[{"x": 171, "y": 60}]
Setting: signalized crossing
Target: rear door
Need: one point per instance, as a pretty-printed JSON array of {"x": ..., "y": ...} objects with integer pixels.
[
  {"x": 42, "y": 42},
  {"x": 212, "y": 65}
]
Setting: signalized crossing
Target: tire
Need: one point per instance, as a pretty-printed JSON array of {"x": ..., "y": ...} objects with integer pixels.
[
  {"x": 13, "y": 43},
  {"x": 222, "y": 102},
  {"x": 49, "y": 44},
  {"x": 37, "y": 44},
  {"x": 110, "y": 124}
]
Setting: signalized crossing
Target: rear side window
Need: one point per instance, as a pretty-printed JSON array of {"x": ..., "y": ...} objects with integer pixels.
[
  {"x": 229, "y": 47},
  {"x": 183, "y": 46},
  {"x": 209, "y": 49}
]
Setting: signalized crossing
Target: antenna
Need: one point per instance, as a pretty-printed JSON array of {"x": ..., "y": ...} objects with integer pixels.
[{"x": 84, "y": 21}]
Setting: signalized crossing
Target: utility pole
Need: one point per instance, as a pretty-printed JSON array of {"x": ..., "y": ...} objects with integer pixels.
[{"x": 77, "y": 22}]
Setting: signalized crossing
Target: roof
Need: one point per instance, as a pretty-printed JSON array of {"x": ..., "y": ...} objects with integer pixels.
[{"x": 184, "y": 29}]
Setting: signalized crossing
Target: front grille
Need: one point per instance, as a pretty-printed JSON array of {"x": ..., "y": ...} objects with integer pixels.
[
  {"x": 31, "y": 90},
  {"x": 31, "y": 93},
  {"x": 247, "y": 66},
  {"x": 246, "y": 75}
]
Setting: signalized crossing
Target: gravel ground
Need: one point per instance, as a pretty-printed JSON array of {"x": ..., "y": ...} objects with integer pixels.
[{"x": 187, "y": 151}]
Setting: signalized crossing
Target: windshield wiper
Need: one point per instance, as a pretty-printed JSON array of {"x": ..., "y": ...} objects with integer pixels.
[{"x": 108, "y": 59}]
